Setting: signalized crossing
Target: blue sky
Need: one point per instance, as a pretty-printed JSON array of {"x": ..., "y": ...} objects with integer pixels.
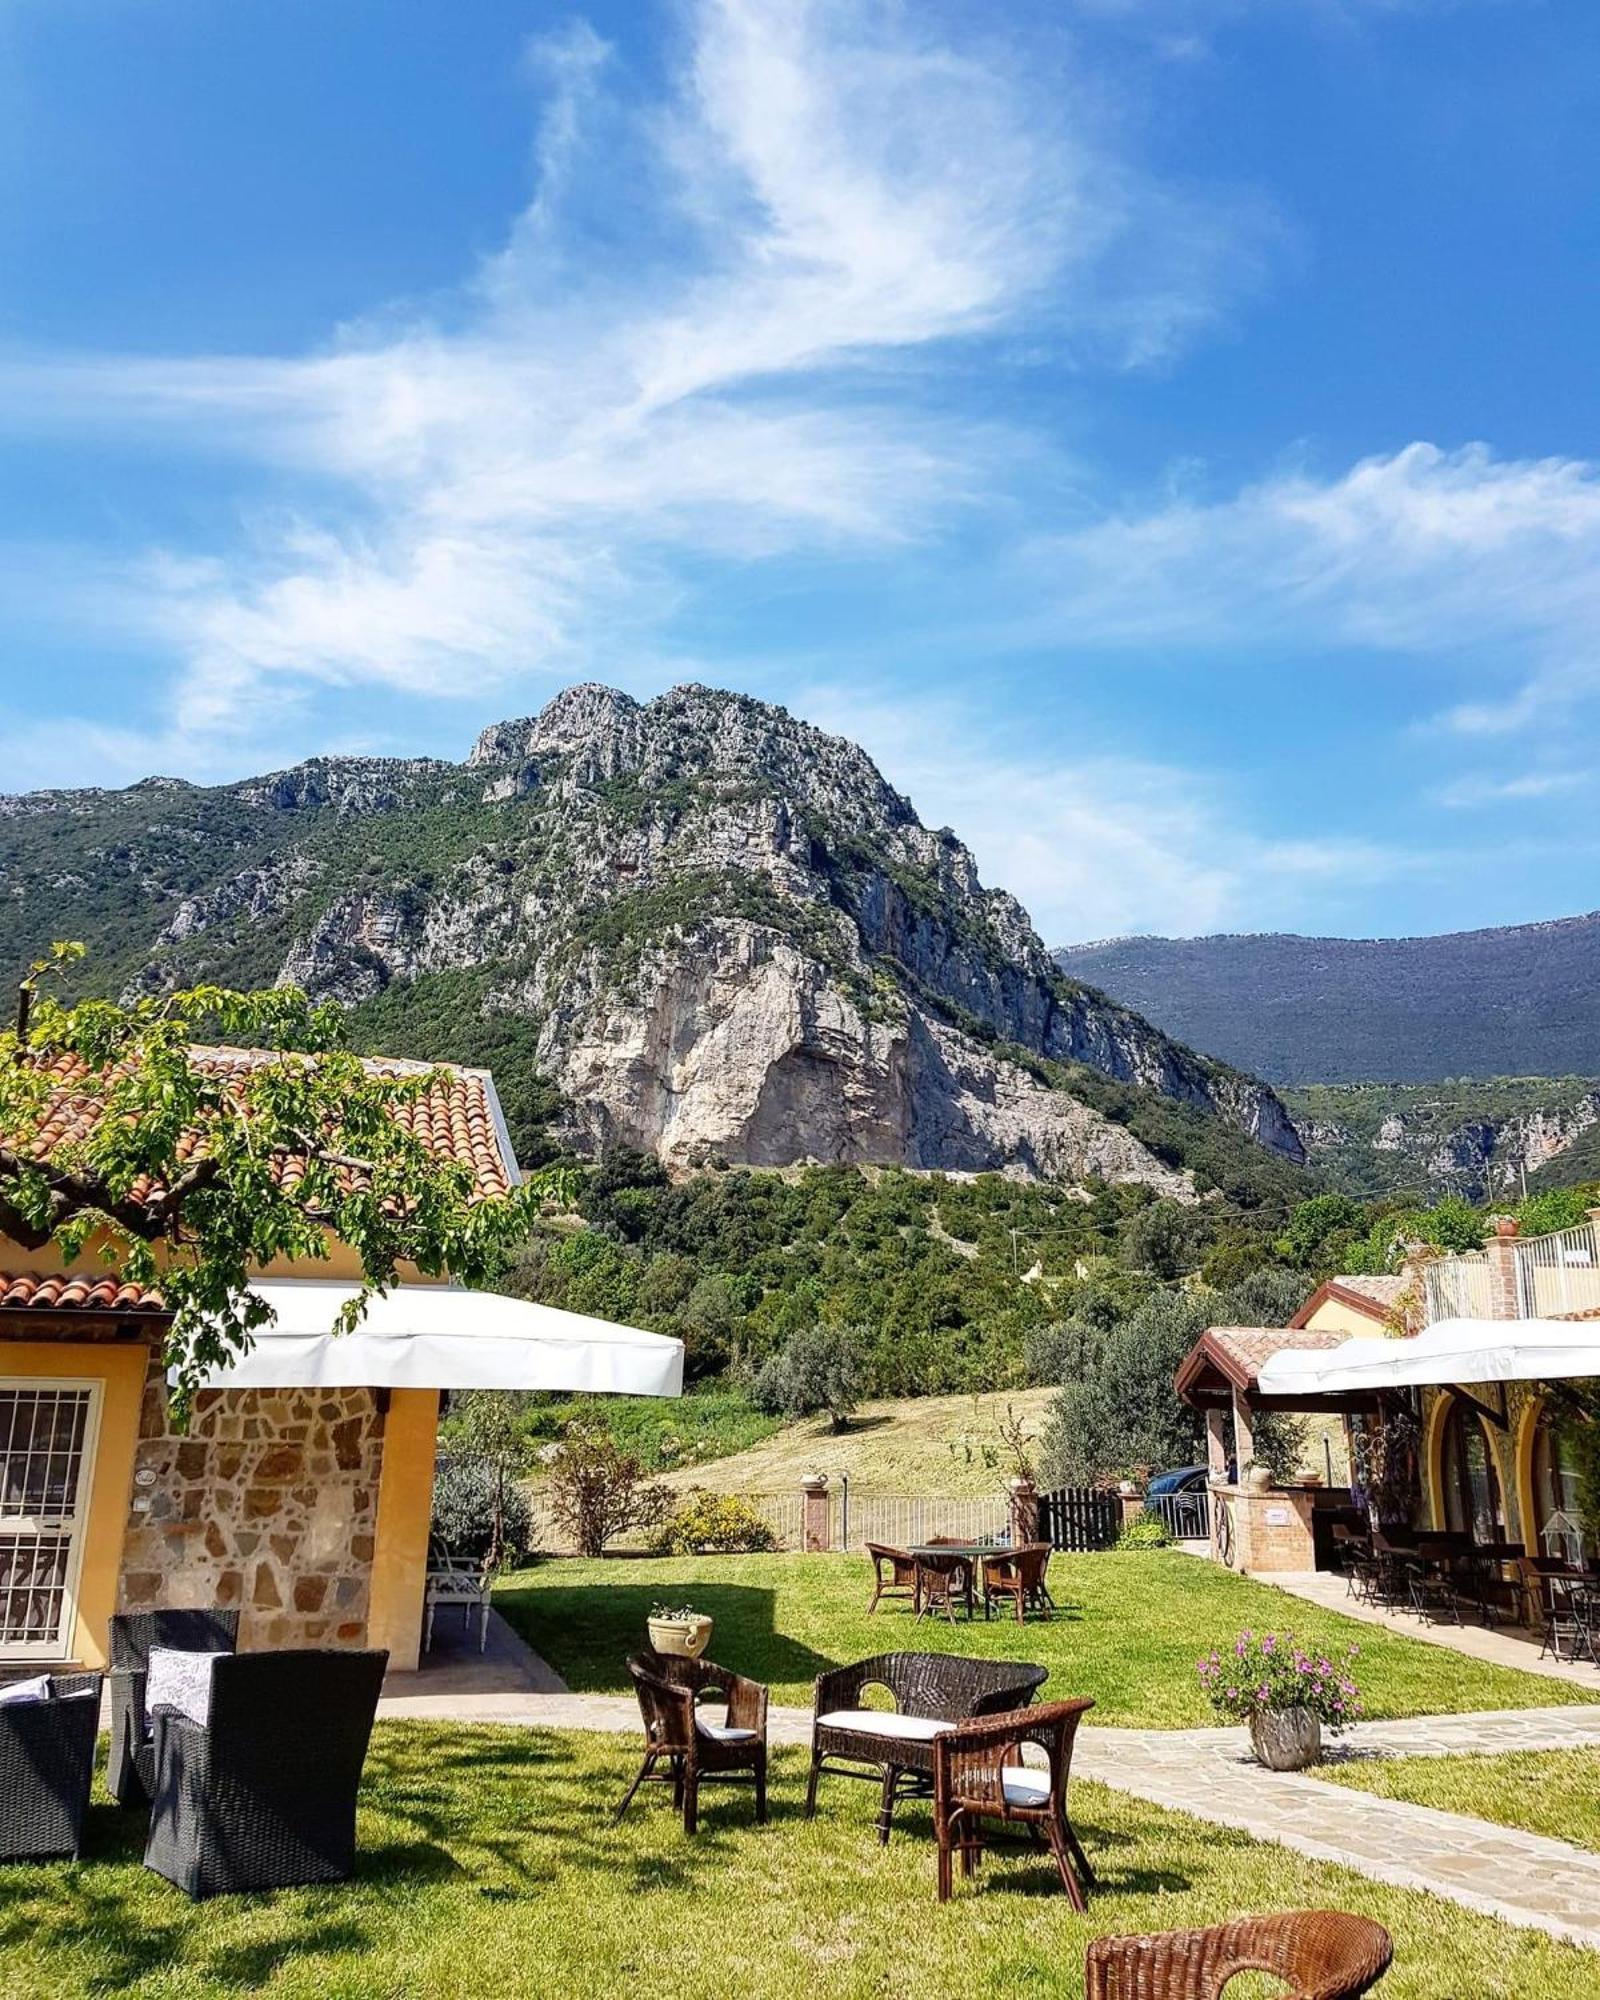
[{"x": 1164, "y": 431}]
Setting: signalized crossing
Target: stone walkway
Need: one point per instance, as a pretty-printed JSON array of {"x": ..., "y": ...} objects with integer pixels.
[
  {"x": 1507, "y": 1647},
  {"x": 1520, "y": 1877}
]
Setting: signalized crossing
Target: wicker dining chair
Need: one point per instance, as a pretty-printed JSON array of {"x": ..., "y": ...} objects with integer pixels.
[
  {"x": 1017, "y": 1576},
  {"x": 46, "y": 1764},
  {"x": 942, "y": 1582},
  {"x": 692, "y": 1748},
  {"x": 130, "y": 1770},
  {"x": 262, "y": 1795},
  {"x": 894, "y": 1573},
  {"x": 1322, "y": 1954},
  {"x": 978, "y": 1774}
]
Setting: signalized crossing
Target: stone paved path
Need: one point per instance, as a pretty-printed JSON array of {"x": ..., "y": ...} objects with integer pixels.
[
  {"x": 1505, "y": 1647},
  {"x": 1540, "y": 1884}
]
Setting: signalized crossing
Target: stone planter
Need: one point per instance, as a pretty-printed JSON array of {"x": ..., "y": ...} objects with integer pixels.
[
  {"x": 1259, "y": 1479},
  {"x": 1286, "y": 1739},
  {"x": 681, "y": 1638}
]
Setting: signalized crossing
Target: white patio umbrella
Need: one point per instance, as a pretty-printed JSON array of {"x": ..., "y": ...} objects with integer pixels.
[
  {"x": 1450, "y": 1351},
  {"x": 444, "y": 1337}
]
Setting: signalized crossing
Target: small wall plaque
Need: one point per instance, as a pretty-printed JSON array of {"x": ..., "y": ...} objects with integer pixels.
[{"x": 1277, "y": 1517}]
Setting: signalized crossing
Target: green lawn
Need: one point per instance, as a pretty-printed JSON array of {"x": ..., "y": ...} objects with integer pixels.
[
  {"x": 1554, "y": 1792},
  {"x": 1131, "y": 1630},
  {"x": 489, "y": 1867}
]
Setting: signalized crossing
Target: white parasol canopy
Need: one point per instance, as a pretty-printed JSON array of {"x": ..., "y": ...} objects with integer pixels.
[
  {"x": 1451, "y": 1350},
  {"x": 443, "y": 1337}
]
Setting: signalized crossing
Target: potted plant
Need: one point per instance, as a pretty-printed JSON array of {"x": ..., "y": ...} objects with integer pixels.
[
  {"x": 684, "y": 1634},
  {"x": 1287, "y": 1694}
]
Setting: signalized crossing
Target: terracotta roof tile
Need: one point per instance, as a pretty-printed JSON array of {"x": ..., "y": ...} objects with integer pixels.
[
  {"x": 457, "y": 1119},
  {"x": 1385, "y": 1291},
  {"x": 82, "y": 1291},
  {"x": 1251, "y": 1347}
]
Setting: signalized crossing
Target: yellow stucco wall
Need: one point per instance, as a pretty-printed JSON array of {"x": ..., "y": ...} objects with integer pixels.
[
  {"x": 1340, "y": 1318},
  {"x": 405, "y": 1508},
  {"x": 120, "y": 1371}
]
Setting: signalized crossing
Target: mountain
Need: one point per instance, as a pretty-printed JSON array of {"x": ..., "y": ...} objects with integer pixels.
[
  {"x": 1517, "y": 1002},
  {"x": 1479, "y": 1139},
  {"x": 696, "y": 926}
]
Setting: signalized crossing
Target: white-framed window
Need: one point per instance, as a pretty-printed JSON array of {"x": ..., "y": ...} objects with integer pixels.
[{"x": 48, "y": 1433}]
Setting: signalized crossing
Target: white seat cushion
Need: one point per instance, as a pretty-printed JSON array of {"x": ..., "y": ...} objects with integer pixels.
[
  {"x": 181, "y": 1680},
  {"x": 885, "y": 1722},
  {"x": 722, "y": 1732},
  {"x": 24, "y": 1692},
  {"x": 1026, "y": 1786}
]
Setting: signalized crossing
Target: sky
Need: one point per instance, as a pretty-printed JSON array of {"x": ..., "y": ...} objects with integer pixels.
[{"x": 1163, "y": 432}]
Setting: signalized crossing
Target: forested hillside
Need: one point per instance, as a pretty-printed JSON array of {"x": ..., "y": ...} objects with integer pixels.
[{"x": 1515, "y": 1002}]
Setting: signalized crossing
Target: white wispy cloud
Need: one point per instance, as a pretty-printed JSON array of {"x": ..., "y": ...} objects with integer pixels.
[
  {"x": 717, "y": 369},
  {"x": 1490, "y": 563},
  {"x": 1101, "y": 845}
]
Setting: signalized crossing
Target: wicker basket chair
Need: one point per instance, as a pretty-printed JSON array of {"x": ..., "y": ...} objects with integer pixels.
[
  {"x": 130, "y": 1770},
  {"x": 978, "y": 1774},
  {"x": 693, "y": 1749},
  {"x": 46, "y": 1764},
  {"x": 263, "y": 1795},
  {"x": 894, "y": 1573},
  {"x": 894, "y": 1749},
  {"x": 1016, "y": 1576},
  {"x": 1322, "y": 1954}
]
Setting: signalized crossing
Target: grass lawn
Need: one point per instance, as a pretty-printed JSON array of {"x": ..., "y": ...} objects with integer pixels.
[
  {"x": 490, "y": 1867},
  {"x": 1131, "y": 1630},
  {"x": 1553, "y": 1792}
]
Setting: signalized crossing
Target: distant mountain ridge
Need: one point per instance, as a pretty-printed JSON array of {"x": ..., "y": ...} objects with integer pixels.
[
  {"x": 1518, "y": 1001},
  {"x": 696, "y": 926}
]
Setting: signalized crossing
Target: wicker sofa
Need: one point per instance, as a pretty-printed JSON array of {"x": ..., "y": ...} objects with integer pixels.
[
  {"x": 263, "y": 1795},
  {"x": 131, "y": 1767},
  {"x": 46, "y": 1763},
  {"x": 893, "y": 1748}
]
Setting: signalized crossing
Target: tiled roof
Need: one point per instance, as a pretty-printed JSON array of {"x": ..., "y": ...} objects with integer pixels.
[
  {"x": 1376, "y": 1297},
  {"x": 1238, "y": 1353},
  {"x": 1382, "y": 1291},
  {"x": 457, "y": 1119},
  {"x": 90, "y": 1291}
]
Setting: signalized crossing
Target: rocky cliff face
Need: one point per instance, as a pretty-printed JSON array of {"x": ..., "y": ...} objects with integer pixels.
[{"x": 720, "y": 933}]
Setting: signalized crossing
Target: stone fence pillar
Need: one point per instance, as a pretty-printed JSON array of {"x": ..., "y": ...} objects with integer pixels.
[
  {"x": 816, "y": 1536},
  {"x": 1024, "y": 1511}
]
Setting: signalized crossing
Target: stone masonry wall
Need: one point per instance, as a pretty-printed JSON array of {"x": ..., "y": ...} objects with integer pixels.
[{"x": 268, "y": 1502}]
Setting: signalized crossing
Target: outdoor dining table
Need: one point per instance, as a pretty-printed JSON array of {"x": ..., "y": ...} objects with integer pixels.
[{"x": 968, "y": 1553}]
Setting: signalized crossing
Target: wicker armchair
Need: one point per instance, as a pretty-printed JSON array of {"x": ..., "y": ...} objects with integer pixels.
[
  {"x": 693, "y": 1749},
  {"x": 894, "y": 1573},
  {"x": 978, "y": 1774},
  {"x": 131, "y": 1768},
  {"x": 894, "y": 1748},
  {"x": 1323, "y": 1954},
  {"x": 264, "y": 1795},
  {"x": 1016, "y": 1576},
  {"x": 46, "y": 1763},
  {"x": 940, "y": 1583}
]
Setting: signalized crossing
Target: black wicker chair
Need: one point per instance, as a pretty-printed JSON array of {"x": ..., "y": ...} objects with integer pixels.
[
  {"x": 264, "y": 1796},
  {"x": 46, "y": 1762},
  {"x": 131, "y": 1767},
  {"x": 894, "y": 1749}
]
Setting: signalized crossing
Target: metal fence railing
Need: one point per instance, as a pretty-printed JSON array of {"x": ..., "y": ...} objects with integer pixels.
[
  {"x": 1185, "y": 1516},
  {"x": 1558, "y": 1274}
]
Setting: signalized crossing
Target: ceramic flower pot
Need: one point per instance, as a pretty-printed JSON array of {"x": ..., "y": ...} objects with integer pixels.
[
  {"x": 1286, "y": 1739},
  {"x": 682, "y": 1638}
]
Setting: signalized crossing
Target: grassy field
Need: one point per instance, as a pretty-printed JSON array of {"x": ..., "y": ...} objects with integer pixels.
[
  {"x": 945, "y": 1447},
  {"x": 1130, "y": 1631},
  {"x": 1553, "y": 1792},
  {"x": 489, "y": 1866}
]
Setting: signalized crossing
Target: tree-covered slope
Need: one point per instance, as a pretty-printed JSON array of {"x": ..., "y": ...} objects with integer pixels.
[
  {"x": 695, "y": 926},
  {"x": 1515, "y": 1002}
]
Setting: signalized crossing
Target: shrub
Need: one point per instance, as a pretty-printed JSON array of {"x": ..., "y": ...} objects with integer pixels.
[
  {"x": 471, "y": 1498},
  {"x": 1274, "y": 1673},
  {"x": 719, "y": 1524},
  {"x": 1146, "y": 1531},
  {"x": 817, "y": 1368},
  {"x": 597, "y": 1490}
]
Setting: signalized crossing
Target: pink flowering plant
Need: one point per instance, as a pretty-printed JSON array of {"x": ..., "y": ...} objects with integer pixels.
[{"x": 1269, "y": 1674}]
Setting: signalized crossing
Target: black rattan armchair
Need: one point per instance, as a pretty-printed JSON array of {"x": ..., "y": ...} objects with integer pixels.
[
  {"x": 264, "y": 1795},
  {"x": 694, "y": 1750},
  {"x": 46, "y": 1762},
  {"x": 131, "y": 1768},
  {"x": 894, "y": 1748}
]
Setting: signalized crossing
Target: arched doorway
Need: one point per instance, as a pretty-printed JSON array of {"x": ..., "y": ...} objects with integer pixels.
[
  {"x": 1469, "y": 1477},
  {"x": 1555, "y": 1491}
]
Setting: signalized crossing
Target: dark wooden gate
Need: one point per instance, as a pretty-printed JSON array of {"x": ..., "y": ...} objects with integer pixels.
[{"x": 1079, "y": 1518}]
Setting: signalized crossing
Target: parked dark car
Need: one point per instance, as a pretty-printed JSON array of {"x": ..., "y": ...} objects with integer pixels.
[{"x": 1186, "y": 1479}]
